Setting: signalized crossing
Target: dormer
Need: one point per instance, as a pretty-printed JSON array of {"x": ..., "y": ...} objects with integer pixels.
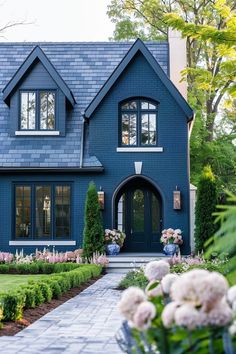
[{"x": 38, "y": 98}]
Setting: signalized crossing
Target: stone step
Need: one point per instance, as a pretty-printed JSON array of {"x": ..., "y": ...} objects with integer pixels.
[{"x": 125, "y": 262}]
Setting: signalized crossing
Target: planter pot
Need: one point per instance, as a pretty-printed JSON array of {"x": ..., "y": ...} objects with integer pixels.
[
  {"x": 171, "y": 249},
  {"x": 113, "y": 249}
]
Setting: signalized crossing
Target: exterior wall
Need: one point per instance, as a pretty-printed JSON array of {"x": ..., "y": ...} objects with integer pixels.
[{"x": 166, "y": 169}]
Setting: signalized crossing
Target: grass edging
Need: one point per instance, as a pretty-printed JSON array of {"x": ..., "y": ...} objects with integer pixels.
[{"x": 52, "y": 287}]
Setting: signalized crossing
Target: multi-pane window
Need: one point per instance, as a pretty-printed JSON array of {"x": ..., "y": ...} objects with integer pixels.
[
  {"x": 138, "y": 123},
  {"x": 43, "y": 211},
  {"x": 37, "y": 110}
]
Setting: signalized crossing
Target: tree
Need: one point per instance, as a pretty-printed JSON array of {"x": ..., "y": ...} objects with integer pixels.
[
  {"x": 205, "y": 207},
  {"x": 209, "y": 27},
  {"x": 93, "y": 229}
]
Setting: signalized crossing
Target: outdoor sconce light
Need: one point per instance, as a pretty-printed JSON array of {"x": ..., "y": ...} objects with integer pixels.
[
  {"x": 176, "y": 199},
  {"x": 101, "y": 198}
]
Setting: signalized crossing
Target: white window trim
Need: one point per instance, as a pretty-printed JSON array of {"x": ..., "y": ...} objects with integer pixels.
[
  {"x": 139, "y": 149},
  {"x": 37, "y": 133},
  {"x": 42, "y": 243}
]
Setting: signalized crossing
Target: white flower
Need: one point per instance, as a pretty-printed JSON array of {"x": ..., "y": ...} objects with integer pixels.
[
  {"x": 156, "y": 270},
  {"x": 232, "y": 329},
  {"x": 187, "y": 316},
  {"x": 145, "y": 312},
  {"x": 177, "y": 231},
  {"x": 221, "y": 315},
  {"x": 130, "y": 299},
  {"x": 232, "y": 294},
  {"x": 153, "y": 289},
  {"x": 168, "y": 314},
  {"x": 167, "y": 282}
]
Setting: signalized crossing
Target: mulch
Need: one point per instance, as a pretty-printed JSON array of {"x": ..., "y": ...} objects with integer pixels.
[{"x": 31, "y": 315}]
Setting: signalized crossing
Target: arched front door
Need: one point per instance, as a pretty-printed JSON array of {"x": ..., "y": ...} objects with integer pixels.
[{"x": 139, "y": 215}]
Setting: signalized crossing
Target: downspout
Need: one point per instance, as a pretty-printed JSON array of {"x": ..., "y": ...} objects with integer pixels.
[{"x": 82, "y": 143}]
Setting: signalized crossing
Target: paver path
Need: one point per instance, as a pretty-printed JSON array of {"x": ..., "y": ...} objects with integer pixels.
[{"x": 85, "y": 324}]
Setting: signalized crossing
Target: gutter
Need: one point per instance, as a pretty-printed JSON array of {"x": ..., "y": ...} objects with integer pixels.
[{"x": 51, "y": 169}]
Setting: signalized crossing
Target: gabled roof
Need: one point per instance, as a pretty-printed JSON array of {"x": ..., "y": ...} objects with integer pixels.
[
  {"x": 139, "y": 46},
  {"x": 37, "y": 54}
]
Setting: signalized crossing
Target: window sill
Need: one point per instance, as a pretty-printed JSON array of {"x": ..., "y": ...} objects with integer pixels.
[
  {"x": 139, "y": 149},
  {"x": 37, "y": 133},
  {"x": 42, "y": 243}
]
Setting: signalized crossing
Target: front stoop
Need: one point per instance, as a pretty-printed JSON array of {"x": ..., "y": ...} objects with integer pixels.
[{"x": 125, "y": 262}]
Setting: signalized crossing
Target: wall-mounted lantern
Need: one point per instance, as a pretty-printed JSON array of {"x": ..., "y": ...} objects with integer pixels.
[
  {"x": 101, "y": 198},
  {"x": 176, "y": 199}
]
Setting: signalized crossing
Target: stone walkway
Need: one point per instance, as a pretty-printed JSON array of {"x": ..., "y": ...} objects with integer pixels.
[{"x": 85, "y": 324}]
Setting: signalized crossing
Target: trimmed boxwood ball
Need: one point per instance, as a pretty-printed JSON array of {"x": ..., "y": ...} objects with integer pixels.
[{"x": 93, "y": 240}]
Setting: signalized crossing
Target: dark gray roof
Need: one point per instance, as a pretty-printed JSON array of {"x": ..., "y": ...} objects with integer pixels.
[{"x": 84, "y": 67}]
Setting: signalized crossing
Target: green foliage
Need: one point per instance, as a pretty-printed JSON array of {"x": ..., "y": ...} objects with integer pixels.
[
  {"x": 134, "y": 278},
  {"x": 93, "y": 230},
  {"x": 51, "y": 286},
  {"x": 13, "y": 304},
  {"x": 205, "y": 207},
  {"x": 224, "y": 240}
]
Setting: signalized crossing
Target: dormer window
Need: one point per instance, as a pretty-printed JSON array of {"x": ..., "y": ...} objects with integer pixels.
[
  {"x": 37, "y": 110},
  {"x": 138, "y": 123}
]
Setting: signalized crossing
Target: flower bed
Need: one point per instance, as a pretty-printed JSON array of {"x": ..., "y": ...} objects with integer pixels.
[
  {"x": 52, "y": 286},
  {"x": 178, "y": 265}
]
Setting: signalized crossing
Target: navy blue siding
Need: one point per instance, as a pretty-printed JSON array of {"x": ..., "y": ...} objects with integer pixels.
[
  {"x": 166, "y": 169},
  {"x": 37, "y": 78}
]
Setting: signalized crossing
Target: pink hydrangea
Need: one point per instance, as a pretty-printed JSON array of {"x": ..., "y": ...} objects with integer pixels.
[
  {"x": 167, "y": 282},
  {"x": 187, "y": 316},
  {"x": 168, "y": 314}
]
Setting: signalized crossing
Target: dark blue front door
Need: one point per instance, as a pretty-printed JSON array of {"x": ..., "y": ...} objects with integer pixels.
[{"x": 140, "y": 218}]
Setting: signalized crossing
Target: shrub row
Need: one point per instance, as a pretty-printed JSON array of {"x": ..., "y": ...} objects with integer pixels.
[
  {"x": 37, "y": 268},
  {"x": 37, "y": 292}
]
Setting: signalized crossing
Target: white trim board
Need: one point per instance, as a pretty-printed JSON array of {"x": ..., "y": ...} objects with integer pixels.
[
  {"x": 37, "y": 133},
  {"x": 139, "y": 149},
  {"x": 42, "y": 243}
]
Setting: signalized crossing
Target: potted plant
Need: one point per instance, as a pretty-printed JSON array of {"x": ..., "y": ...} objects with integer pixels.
[
  {"x": 114, "y": 240},
  {"x": 171, "y": 240}
]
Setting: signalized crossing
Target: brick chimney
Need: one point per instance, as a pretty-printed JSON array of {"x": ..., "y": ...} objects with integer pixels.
[{"x": 177, "y": 60}]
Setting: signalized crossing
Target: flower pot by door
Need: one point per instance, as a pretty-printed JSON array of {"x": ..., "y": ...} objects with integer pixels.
[{"x": 113, "y": 249}]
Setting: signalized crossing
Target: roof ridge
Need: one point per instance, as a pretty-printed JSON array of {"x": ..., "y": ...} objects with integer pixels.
[{"x": 81, "y": 43}]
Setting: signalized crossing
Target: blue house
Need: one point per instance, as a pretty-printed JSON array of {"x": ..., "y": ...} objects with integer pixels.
[{"x": 71, "y": 113}]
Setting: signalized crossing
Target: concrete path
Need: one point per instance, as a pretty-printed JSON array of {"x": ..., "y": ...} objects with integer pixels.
[{"x": 85, "y": 324}]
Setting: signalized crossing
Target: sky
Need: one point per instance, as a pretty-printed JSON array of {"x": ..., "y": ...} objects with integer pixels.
[{"x": 56, "y": 20}]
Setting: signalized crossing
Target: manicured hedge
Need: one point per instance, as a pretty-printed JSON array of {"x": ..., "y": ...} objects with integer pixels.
[
  {"x": 52, "y": 286},
  {"x": 37, "y": 268}
]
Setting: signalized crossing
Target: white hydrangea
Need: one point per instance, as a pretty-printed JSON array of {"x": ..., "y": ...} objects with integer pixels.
[
  {"x": 232, "y": 329},
  {"x": 144, "y": 314},
  {"x": 187, "y": 316},
  {"x": 156, "y": 270},
  {"x": 167, "y": 282},
  {"x": 168, "y": 314},
  {"x": 153, "y": 289},
  {"x": 221, "y": 315},
  {"x": 131, "y": 298},
  {"x": 231, "y": 295}
]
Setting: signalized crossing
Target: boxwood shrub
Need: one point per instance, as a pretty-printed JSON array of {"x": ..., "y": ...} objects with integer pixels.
[
  {"x": 51, "y": 286},
  {"x": 38, "y": 268}
]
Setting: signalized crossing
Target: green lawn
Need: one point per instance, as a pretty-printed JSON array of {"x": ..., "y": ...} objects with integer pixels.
[{"x": 11, "y": 281}]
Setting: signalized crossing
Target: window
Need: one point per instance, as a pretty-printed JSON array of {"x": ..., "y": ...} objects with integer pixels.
[
  {"x": 37, "y": 110},
  {"x": 138, "y": 123},
  {"x": 43, "y": 211}
]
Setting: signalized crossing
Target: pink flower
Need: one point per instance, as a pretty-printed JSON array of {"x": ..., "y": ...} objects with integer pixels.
[
  {"x": 156, "y": 270},
  {"x": 131, "y": 298}
]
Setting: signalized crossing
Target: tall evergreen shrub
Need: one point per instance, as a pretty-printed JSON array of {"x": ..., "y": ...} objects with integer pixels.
[
  {"x": 205, "y": 206},
  {"x": 93, "y": 228}
]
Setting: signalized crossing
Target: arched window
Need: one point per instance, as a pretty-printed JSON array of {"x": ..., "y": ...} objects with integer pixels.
[{"x": 138, "y": 123}]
